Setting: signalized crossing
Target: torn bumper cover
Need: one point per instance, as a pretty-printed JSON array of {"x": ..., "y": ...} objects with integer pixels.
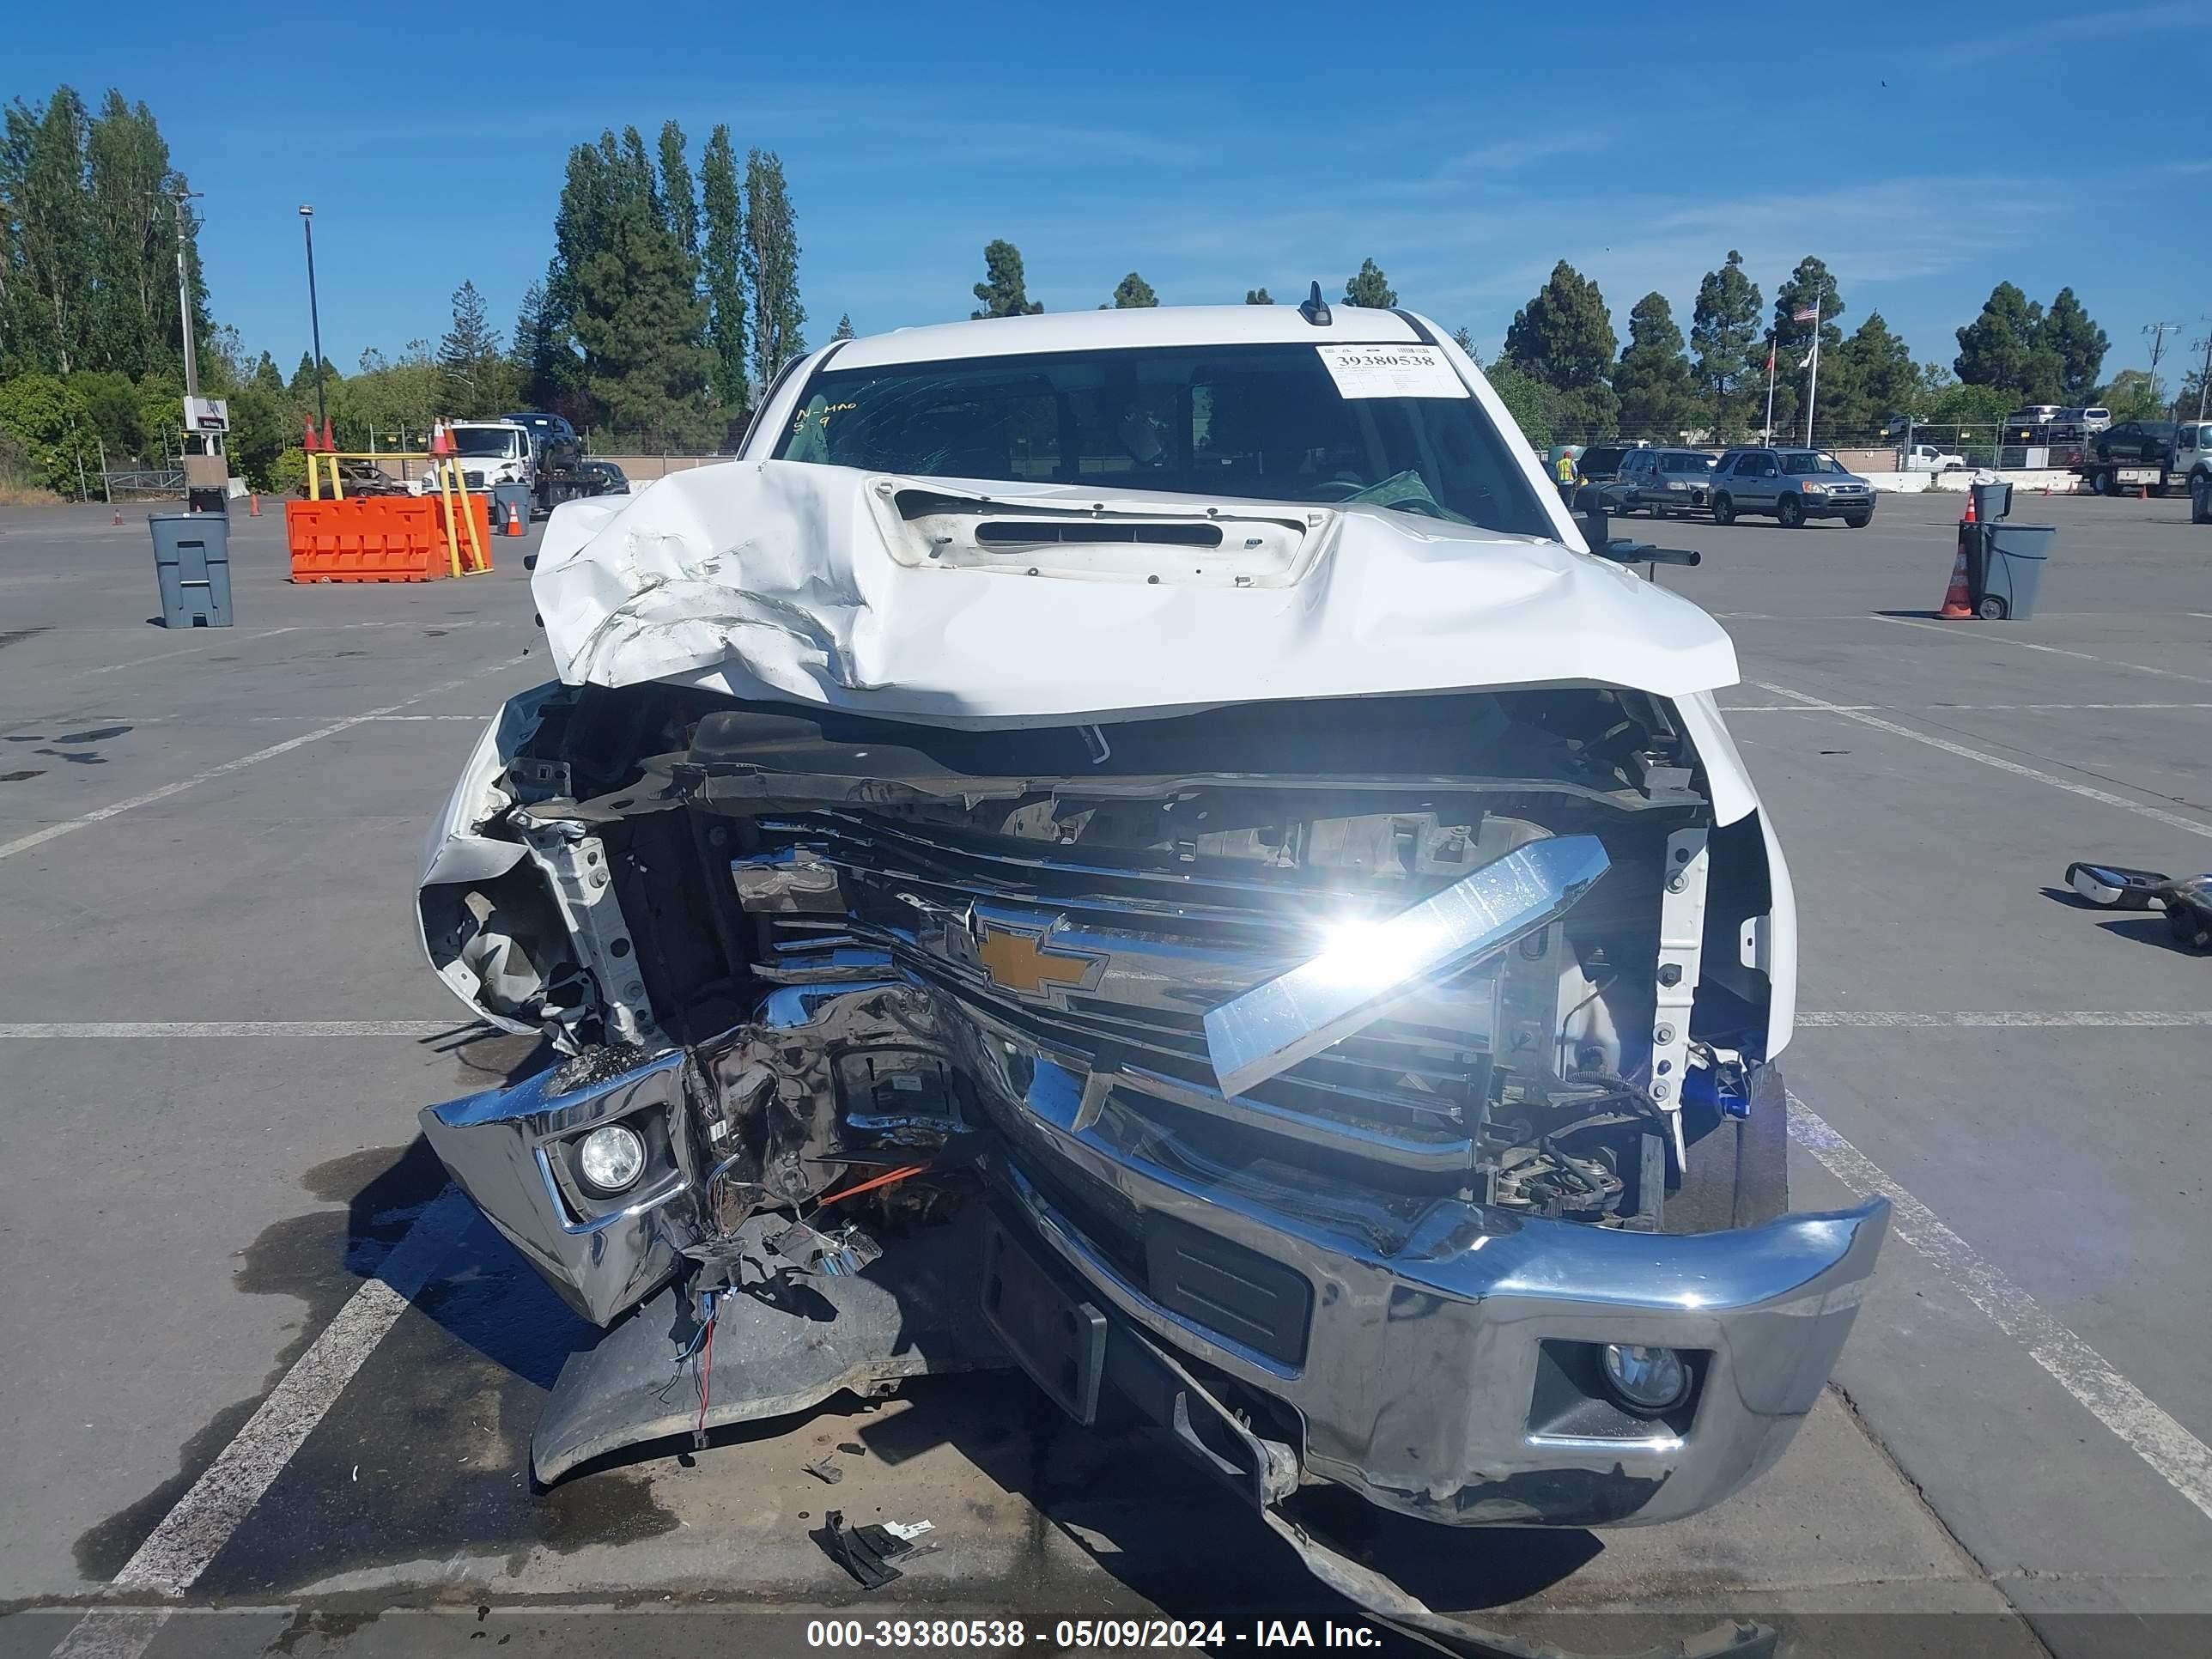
[{"x": 1444, "y": 1361}]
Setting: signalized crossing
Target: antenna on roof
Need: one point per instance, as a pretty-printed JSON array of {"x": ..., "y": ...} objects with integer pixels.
[{"x": 1315, "y": 309}]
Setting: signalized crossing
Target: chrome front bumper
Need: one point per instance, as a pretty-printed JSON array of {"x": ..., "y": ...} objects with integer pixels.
[
  {"x": 1439, "y": 1366},
  {"x": 1437, "y": 1357}
]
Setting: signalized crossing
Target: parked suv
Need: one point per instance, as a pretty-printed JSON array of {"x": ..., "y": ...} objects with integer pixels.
[
  {"x": 1663, "y": 481},
  {"x": 1792, "y": 484}
]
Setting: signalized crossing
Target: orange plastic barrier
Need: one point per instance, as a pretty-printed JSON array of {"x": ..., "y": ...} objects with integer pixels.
[{"x": 379, "y": 539}]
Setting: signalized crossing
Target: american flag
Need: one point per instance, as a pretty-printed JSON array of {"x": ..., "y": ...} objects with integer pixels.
[{"x": 1805, "y": 314}]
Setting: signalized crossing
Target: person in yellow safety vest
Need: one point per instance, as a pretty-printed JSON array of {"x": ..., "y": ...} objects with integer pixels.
[{"x": 1568, "y": 475}]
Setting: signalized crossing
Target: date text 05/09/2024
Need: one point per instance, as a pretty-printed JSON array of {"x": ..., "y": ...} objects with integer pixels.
[{"x": 1105, "y": 1634}]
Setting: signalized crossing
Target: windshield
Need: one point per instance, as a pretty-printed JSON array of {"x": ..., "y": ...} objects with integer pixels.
[
  {"x": 1800, "y": 462},
  {"x": 482, "y": 442},
  {"x": 1681, "y": 463},
  {"x": 1266, "y": 423}
]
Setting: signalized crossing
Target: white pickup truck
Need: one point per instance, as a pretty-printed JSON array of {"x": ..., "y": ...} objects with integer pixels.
[{"x": 1927, "y": 458}]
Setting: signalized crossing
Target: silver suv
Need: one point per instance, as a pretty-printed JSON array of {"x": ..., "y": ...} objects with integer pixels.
[
  {"x": 1792, "y": 484},
  {"x": 1663, "y": 481}
]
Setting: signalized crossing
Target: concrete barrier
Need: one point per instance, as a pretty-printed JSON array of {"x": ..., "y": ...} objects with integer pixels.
[{"x": 1913, "y": 484}]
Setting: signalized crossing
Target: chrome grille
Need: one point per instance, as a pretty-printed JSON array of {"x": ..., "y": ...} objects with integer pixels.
[{"x": 1115, "y": 956}]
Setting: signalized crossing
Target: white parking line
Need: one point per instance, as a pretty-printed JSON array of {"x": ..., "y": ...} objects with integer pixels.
[
  {"x": 2177, "y": 1457},
  {"x": 192, "y": 1534},
  {"x": 2052, "y": 650},
  {"x": 55, "y": 831},
  {"x": 181, "y": 650},
  {"x": 2148, "y": 1018},
  {"x": 125, "y": 1030},
  {"x": 1895, "y": 709},
  {"x": 2157, "y": 814},
  {"x": 112, "y": 1633},
  {"x": 178, "y": 1551}
]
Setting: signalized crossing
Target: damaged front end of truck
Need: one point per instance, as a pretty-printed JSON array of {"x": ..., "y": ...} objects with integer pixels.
[{"x": 1373, "y": 1088}]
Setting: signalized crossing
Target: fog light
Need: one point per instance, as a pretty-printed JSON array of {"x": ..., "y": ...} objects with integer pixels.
[
  {"x": 1646, "y": 1379},
  {"x": 612, "y": 1158}
]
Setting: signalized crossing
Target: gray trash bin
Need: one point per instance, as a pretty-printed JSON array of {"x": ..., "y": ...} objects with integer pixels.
[
  {"x": 502, "y": 497},
  {"x": 191, "y": 556},
  {"x": 1992, "y": 501},
  {"x": 2017, "y": 555}
]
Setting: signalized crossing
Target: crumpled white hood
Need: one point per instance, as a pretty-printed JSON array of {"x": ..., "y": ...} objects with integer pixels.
[{"x": 778, "y": 580}]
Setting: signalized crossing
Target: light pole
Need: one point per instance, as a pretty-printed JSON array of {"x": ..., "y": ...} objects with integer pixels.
[{"x": 314, "y": 315}]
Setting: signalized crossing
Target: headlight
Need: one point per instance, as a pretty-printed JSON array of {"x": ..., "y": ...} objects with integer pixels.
[
  {"x": 1814, "y": 489},
  {"x": 1676, "y": 484},
  {"x": 1648, "y": 1380},
  {"x": 612, "y": 1158}
]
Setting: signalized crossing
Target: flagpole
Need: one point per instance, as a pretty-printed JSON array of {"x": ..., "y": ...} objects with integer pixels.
[
  {"x": 1812, "y": 380},
  {"x": 1773, "y": 346}
]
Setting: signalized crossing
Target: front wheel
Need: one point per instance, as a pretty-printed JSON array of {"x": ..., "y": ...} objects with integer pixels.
[
  {"x": 2102, "y": 483},
  {"x": 1723, "y": 510},
  {"x": 1858, "y": 520},
  {"x": 1789, "y": 511}
]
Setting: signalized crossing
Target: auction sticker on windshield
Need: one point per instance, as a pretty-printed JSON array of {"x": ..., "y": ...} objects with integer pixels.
[{"x": 1390, "y": 371}]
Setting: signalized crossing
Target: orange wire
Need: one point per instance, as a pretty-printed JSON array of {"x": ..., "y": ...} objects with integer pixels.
[{"x": 884, "y": 1180}]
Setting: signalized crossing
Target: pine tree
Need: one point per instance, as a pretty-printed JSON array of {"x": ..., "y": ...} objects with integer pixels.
[
  {"x": 844, "y": 327},
  {"x": 1258, "y": 296},
  {"x": 632, "y": 304},
  {"x": 2079, "y": 345},
  {"x": 1809, "y": 286},
  {"x": 468, "y": 355},
  {"x": 1876, "y": 381},
  {"x": 1003, "y": 293},
  {"x": 726, "y": 295},
  {"x": 1723, "y": 327},
  {"x": 771, "y": 266},
  {"x": 544, "y": 362},
  {"x": 1564, "y": 339},
  {"x": 2004, "y": 349},
  {"x": 1133, "y": 292},
  {"x": 1658, "y": 397},
  {"x": 1370, "y": 289}
]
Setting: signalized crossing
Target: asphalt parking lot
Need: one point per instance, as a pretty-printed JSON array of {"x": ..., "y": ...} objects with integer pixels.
[{"x": 225, "y": 1250}]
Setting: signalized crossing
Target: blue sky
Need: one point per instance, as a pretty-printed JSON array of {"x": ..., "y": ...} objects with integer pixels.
[{"x": 1924, "y": 153}]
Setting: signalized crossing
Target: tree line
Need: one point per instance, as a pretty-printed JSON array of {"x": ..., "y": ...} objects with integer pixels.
[
  {"x": 1567, "y": 377},
  {"x": 671, "y": 300}
]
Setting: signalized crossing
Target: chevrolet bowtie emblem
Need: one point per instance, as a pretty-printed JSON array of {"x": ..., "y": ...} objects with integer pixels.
[{"x": 1024, "y": 962}]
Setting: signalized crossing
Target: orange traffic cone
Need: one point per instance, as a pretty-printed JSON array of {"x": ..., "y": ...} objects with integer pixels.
[
  {"x": 308, "y": 442},
  {"x": 1957, "y": 602},
  {"x": 1969, "y": 518},
  {"x": 330, "y": 439},
  {"x": 439, "y": 444},
  {"x": 513, "y": 520},
  {"x": 118, "y": 516},
  {"x": 254, "y": 505}
]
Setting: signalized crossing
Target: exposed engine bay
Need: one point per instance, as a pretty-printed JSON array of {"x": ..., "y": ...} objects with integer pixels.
[
  {"x": 1107, "y": 1051},
  {"x": 1096, "y": 889}
]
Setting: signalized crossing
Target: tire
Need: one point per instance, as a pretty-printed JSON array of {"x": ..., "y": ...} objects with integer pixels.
[
  {"x": 1789, "y": 513},
  {"x": 1737, "y": 1173},
  {"x": 1723, "y": 510},
  {"x": 1991, "y": 609},
  {"x": 2103, "y": 484},
  {"x": 1858, "y": 520},
  {"x": 2200, "y": 499}
]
